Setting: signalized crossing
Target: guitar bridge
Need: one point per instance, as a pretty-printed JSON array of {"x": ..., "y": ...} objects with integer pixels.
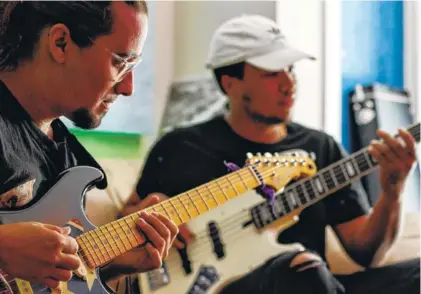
[
  {"x": 158, "y": 278},
  {"x": 206, "y": 278}
]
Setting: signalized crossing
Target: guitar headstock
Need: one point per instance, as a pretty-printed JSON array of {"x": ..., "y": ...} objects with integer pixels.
[{"x": 277, "y": 170}]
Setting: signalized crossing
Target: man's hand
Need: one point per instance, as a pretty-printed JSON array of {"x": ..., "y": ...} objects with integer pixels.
[
  {"x": 184, "y": 233},
  {"x": 396, "y": 157},
  {"x": 38, "y": 252},
  {"x": 160, "y": 232}
]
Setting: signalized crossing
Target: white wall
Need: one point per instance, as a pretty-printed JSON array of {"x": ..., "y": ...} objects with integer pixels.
[
  {"x": 164, "y": 60},
  {"x": 304, "y": 29},
  {"x": 412, "y": 44},
  {"x": 195, "y": 22}
]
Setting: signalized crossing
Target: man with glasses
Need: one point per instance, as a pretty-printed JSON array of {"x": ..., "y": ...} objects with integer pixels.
[{"x": 68, "y": 59}]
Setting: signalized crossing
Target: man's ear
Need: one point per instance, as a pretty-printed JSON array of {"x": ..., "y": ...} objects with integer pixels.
[
  {"x": 58, "y": 42},
  {"x": 227, "y": 83}
]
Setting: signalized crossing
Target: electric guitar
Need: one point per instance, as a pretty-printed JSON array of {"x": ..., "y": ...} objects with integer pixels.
[
  {"x": 241, "y": 235},
  {"x": 62, "y": 205}
]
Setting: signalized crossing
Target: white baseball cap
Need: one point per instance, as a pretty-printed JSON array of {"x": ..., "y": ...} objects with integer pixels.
[{"x": 254, "y": 39}]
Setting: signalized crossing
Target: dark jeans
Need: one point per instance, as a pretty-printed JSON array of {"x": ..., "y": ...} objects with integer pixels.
[{"x": 277, "y": 277}]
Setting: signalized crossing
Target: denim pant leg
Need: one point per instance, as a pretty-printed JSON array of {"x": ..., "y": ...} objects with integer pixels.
[
  {"x": 277, "y": 277},
  {"x": 398, "y": 278}
]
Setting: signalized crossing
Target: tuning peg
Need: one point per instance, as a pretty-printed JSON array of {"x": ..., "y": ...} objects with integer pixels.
[
  {"x": 267, "y": 154},
  {"x": 276, "y": 154},
  {"x": 249, "y": 155},
  {"x": 259, "y": 154}
]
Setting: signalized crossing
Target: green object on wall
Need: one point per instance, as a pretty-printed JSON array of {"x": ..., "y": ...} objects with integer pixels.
[{"x": 110, "y": 145}]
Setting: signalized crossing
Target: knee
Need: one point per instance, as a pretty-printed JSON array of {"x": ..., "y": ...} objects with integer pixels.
[{"x": 306, "y": 260}]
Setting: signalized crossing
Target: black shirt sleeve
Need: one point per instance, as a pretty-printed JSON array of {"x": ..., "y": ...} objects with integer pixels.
[
  {"x": 12, "y": 173},
  {"x": 351, "y": 201}
]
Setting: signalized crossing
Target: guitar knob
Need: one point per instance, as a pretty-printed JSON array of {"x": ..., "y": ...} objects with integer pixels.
[
  {"x": 249, "y": 155},
  {"x": 267, "y": 154},
  {"x": 259, "y": 154}
]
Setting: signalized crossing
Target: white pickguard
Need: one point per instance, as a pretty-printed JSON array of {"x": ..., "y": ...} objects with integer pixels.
[{"x": 245, "y": 248}]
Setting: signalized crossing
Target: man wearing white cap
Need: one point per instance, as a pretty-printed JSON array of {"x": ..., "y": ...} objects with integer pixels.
[{"x": 252, "y": 63}]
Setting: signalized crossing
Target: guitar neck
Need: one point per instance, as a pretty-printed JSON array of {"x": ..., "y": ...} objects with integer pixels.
[
  {"x": 308, "y": 191},
  {"x": 103, "y": 244}
]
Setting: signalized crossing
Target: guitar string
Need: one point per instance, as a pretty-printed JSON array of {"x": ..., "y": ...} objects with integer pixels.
[
  {"x": 280, "y": 195},
  {"x": 283, "y": 197},
  {"x": 81, "y": 256},
  {"x": 203, "y": 242},
  {"x": 122, "y": 240},
  {"x": 126, "y": 237}
]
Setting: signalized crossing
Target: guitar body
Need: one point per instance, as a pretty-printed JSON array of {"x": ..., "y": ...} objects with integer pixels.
[
  {"x": 62, "y": 206},
  {"x": 245, "y": 248}
]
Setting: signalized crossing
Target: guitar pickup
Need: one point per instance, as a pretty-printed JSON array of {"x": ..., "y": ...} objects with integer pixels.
[{"x": 218, "y": 246}]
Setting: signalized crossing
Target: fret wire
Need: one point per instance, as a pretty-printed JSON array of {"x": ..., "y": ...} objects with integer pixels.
[
  {"x": 355, "y": 165},
  {"x": 211, "y": 193},
  {"x": 103, "y": 244},
  {"x": 89, "y": 241},
  {"x": 338, "y": 172},
  {"x": 242, "y": 180},
  {"x": 256, "y": 176},
  {"x": 236, "y": 192},
  {"x": 368, "y": 159},
  {"x": 223, "y": 190},
  {"x": 111, "y": 245},
  {"x": 306, "y": 196},
  {"x": 300, "y": 194},
  {"x": 133, "y": 218},
  {"x": 291, "y": 197},
  {"x": 328, "y": 179},
  {"x": 184, "y": 206},
  {"x": 119, "y": 235},
  {"x": 323, "y": 183},
  {"x": 174, "y": 209},
  {"x": 280, "y": 205},
  {"x": 297, "y": 199},
  {"x": 315, "y": 192},
  {"x": 127, "y": 236},
  {"x": 364, "y": 163},
  {"x": 204, "y": 201},
  {"x": 344, "y": 171},
  {"x": 285, "y": 203},
  {"x": 195, "y": 206},
  {"x": 85, "y": 249},
  {"x": 332, "y": 174},
  {"x": 112, "y": 236},
  {"x": 131, "y": 230}
]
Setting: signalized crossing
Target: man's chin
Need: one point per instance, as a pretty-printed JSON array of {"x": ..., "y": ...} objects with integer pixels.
[{"x": 84, "y": 119}]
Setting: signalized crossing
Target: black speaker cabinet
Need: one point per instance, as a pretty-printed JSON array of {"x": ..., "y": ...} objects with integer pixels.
[{"x": 378, "y": 106}]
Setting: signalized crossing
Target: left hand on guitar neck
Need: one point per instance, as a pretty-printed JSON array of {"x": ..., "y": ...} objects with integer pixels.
[
  {"x": 396, "y": 157},
  {"x": 184, "y": 231},
  {"x": 160, "y": 232}
]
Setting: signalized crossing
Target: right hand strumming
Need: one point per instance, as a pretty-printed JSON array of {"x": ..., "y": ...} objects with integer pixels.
[{"x": 38, "y": 252}]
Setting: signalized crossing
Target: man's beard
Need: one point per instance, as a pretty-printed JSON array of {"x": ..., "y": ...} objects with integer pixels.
[
  {"x": 84, "y": 119},
  {"x": 258, "y": 117}
]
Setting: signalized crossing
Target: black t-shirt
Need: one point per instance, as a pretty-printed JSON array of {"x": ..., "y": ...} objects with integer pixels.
[
  {"x": 30, "y": 162},
  {"x": 188, "y": 157}
]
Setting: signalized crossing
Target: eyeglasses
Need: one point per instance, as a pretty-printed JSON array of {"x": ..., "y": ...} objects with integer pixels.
[{"x": 122, "y": 65}]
